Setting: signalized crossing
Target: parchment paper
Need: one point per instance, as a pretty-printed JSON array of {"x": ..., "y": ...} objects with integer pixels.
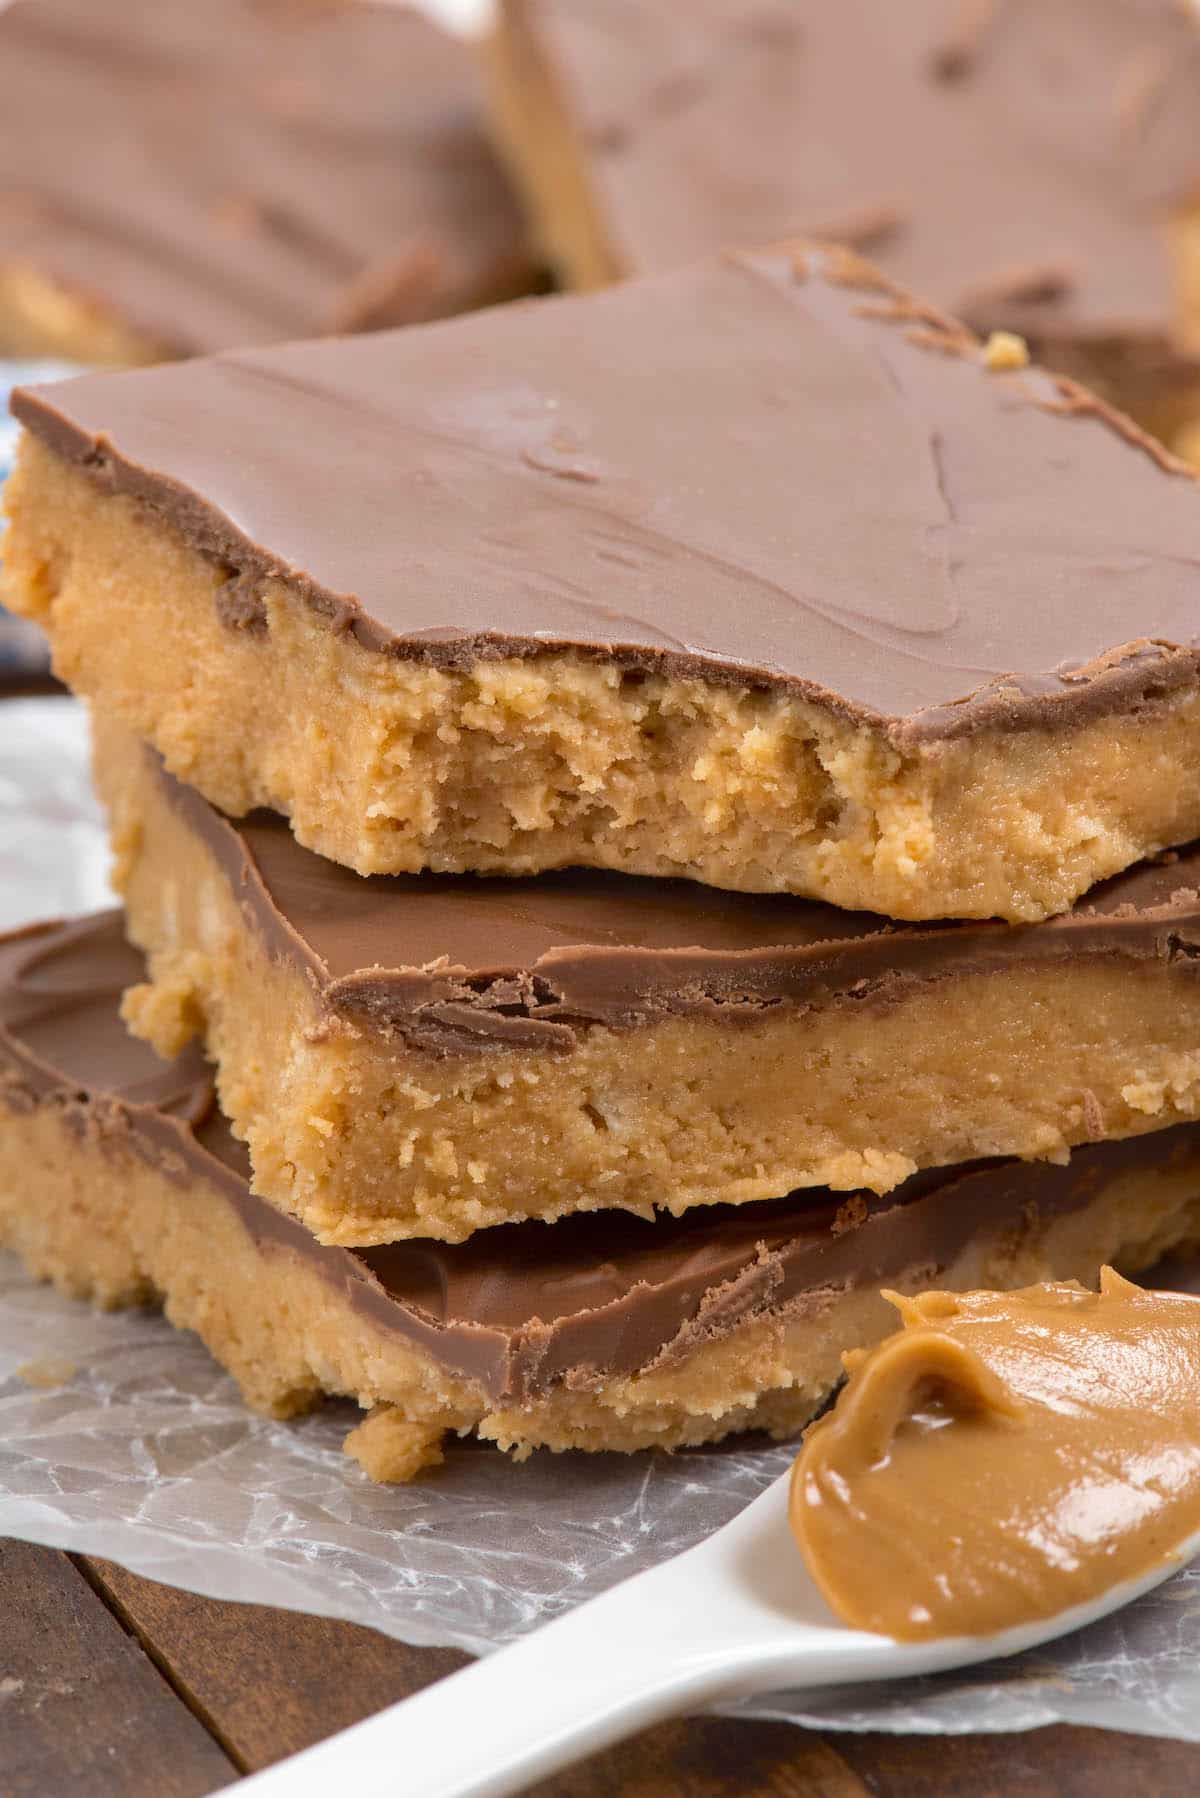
[{"x": 144, "y": 1453}]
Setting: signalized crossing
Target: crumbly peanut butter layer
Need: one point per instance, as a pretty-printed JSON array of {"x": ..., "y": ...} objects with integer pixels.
[
  {"x": 544, "y": 148},
  {"x": 369, "y": 1139},
  {"x": 103, "y": 1222},
  {"x": 519, "y": 765},
  {"x": 40, "y": 317}
]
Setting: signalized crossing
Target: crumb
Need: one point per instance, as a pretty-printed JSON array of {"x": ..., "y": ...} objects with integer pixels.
[
  {"x": 388, "y": 1447},
  {"x": 47, "y": 1371},
  {"x": 1004, "y": 350},
  {"x": 850, "y": 1215},
  {"x": 1093, "y": 1117}
]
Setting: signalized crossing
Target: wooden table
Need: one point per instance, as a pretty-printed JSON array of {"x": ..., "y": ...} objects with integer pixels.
[{"x": 113, "y": 1687}]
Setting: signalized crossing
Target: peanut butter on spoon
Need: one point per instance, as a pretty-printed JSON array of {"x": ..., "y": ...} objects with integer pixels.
[{"x": 1003, "y": 1457}]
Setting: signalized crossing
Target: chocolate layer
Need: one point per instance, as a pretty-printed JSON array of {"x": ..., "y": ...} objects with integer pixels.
[
  {"x": 455, "y": 963},
  {"x": 520, "y": 1307},
  {"x": 240, "y": 171},
  {"x": 770, "y": 470},
  {"x": 1016, "y": 160}
]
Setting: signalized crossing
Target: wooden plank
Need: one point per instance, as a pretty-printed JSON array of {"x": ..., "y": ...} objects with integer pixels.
[
  {"x": 82, "y": 1709},
  {"x": 712, "y": 1757},
  {"x": 1056, "y": 1762},
  {"x": 269, "y": 1682},
  {"x": 272, "y": 1682}
]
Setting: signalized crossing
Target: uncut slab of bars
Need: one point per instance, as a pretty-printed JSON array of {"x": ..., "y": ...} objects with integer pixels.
[
  {"x": 674, "y": 915},
  {"x": 181, "y": 178},
  {"x": 1031, "y": 168}
]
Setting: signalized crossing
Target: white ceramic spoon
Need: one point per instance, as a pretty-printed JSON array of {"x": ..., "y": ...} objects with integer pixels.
[{"x": 735, "y": 1615}]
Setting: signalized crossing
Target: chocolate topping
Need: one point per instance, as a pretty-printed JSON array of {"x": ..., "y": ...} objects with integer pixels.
[
  {"x": 1016, "y": 160},
  {"x": 458, "y": 963},
  {"x": 773, "y": 470},
  {"x": 520, "y": 1307},
  {"x": 218, "y": 172}
]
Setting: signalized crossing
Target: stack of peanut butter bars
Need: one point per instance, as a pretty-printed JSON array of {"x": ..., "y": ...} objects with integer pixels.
[{"x": 642, "y": 817}]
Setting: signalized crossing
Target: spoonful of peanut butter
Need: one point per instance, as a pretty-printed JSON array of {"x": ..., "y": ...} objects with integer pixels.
[{"x": 1003, "y": 1457}]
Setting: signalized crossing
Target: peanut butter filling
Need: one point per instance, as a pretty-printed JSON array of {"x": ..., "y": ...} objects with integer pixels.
[{"x": 1003, "y": 1457}]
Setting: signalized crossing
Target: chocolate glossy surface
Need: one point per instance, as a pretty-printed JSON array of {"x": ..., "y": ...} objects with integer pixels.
[
  {"x": 1015, "y": 160},
  {"x": 769, "y": 470}
]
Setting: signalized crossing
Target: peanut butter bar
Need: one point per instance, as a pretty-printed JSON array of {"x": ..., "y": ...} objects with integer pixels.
[
  {"x": 1031, "y": 165},
  {"x": 178, "y": 177},
  {"x": 120, "y": 1181},
  {"x": 760, "y": 573},
  {"x": 430, "y": 1055}
]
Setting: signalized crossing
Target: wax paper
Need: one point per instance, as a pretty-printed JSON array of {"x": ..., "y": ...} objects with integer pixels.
[{"x": 120, "y": 1437}]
